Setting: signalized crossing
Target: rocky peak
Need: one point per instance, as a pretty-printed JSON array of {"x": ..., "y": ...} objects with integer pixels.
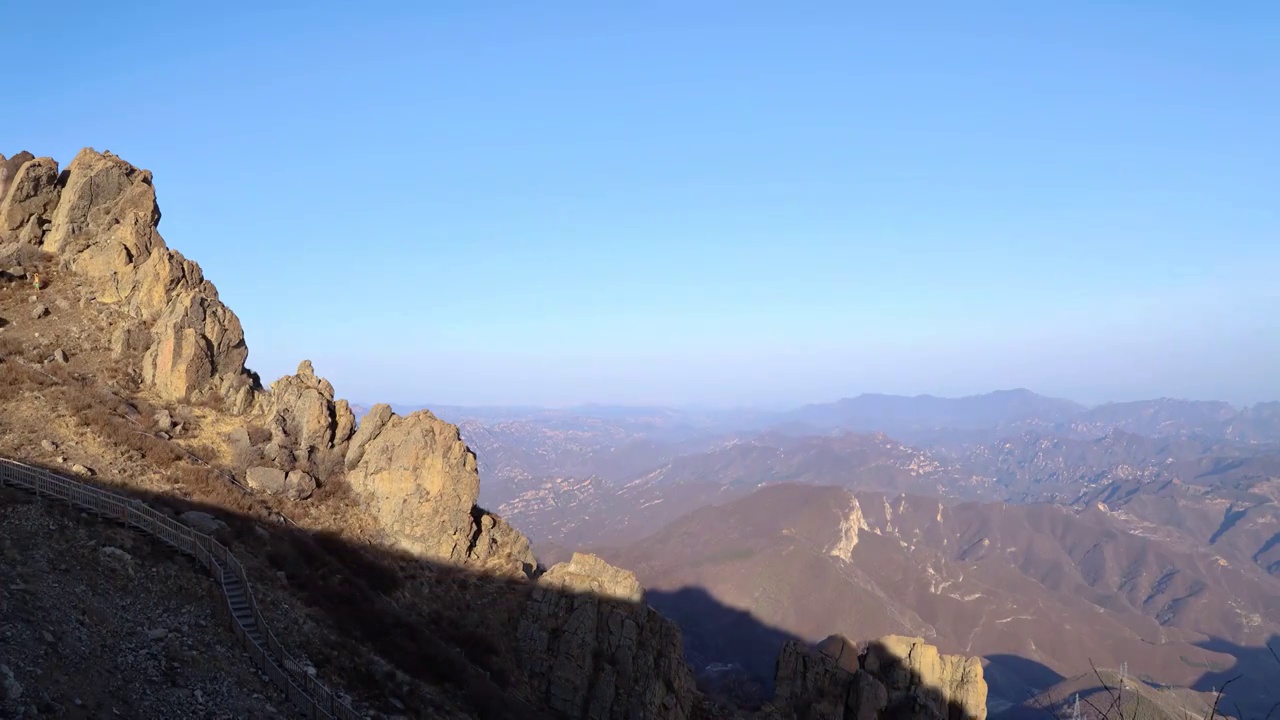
[
  {"x": 892, "y": 677},
  {"x": 99, "y": 217}
]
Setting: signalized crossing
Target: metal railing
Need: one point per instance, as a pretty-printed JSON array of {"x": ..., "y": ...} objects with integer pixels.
[{"x": 305, "y": 692}]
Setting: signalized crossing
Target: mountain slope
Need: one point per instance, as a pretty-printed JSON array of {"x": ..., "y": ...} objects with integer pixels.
[{"x": 1038, "y": 584}]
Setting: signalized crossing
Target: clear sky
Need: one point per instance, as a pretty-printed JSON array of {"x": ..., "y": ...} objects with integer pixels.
[{"x": 709, "y": 202}]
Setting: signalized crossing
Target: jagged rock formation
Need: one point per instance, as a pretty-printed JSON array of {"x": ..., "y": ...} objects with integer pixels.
[
  {"x": 594, "y": 651},
  {"x": 421, "y": 482},
  {"x": 100, "y": 218},
  {"x": 308, "y": 426},
  {"x": 895, "y": 676}
]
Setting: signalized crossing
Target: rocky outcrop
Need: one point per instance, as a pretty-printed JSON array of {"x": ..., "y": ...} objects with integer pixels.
[
  {"x": 420, "y": 481},
  {"x": 586, "y": 573},
  {"x": 306, "y": 422},
  {"x": 197, "y": 348},
  {"x": 602, "y": 656},
  {"x": 498, "y": 548},
  {"x": 303, "y": 409},
  {"x": 952, "y": 685},
  {"x": 295, "y": 484},
  {"x": 896, "y": 677},
  {"x": 28, "y": 198},
  {"x": 100, "y": 217}
]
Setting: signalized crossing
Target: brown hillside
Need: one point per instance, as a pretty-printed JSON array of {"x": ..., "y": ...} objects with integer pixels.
[{"x": 1036, "y": 590}]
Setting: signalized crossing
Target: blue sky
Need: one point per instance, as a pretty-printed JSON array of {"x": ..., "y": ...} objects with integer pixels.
[{"x": 715, "y": 203}]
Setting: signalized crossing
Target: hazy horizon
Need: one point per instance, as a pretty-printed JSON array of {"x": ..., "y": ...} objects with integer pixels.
[
  {"x": 774, "y": 407},
  {"x": 724, "y": 204}
]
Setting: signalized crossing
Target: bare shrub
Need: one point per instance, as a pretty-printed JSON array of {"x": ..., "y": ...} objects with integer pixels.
[
  {"x": 258, "y": 435},
  {"x": 244, "y": 457},
  {"x": 328, "y": 465}
]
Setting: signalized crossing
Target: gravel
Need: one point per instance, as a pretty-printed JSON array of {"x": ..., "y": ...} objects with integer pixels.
[{"x": 97, "y": 621}]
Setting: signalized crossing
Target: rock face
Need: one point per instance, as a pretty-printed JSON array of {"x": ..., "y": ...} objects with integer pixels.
[
  {"x": 602, "y": 657},
  {"x": 895, "y": 676},
  {"x": 421, "y": 483}
]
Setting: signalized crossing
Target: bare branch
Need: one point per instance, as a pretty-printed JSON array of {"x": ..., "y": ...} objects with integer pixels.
[
  {"x": 1115, "y": 697},
  {"x": 1213, "y": 712},
  {"x": 1035, "y": 697}
]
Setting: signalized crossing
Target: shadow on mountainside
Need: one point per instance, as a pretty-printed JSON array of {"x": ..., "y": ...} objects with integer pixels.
[
  {"x": 1253, "y": 679},
  {"x": 733, "y": 654},
  {"x": 1012, "y": 678},
  {"x": 453, "y": 640}
]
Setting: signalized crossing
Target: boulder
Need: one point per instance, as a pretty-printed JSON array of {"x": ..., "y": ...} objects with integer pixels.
[
  {"x": 10, "y": 688},
  {"x": 421, "y": 482},
  {"x": 204, "y": 522},
  {"x": 33, "y": 232},
  {"x": 102, "y": 194},
  {"x": 299, "y": 485},
  {"x": 129, "y": 339},
  {"x": 595, "y": 656},
  {"x": 267, "y": 479},
  {"x": 586, "y": 573},
  {"x": 344, "y": 422},
  {"x": 812, "y": 685},
  {"x": 842, "y": 650},
  {"x": 28, "y": 205},
  {"x": 369, "y": 427}
]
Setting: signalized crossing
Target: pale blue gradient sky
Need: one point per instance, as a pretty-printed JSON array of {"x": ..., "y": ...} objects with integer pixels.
[{"x": 716, "y": 202}]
